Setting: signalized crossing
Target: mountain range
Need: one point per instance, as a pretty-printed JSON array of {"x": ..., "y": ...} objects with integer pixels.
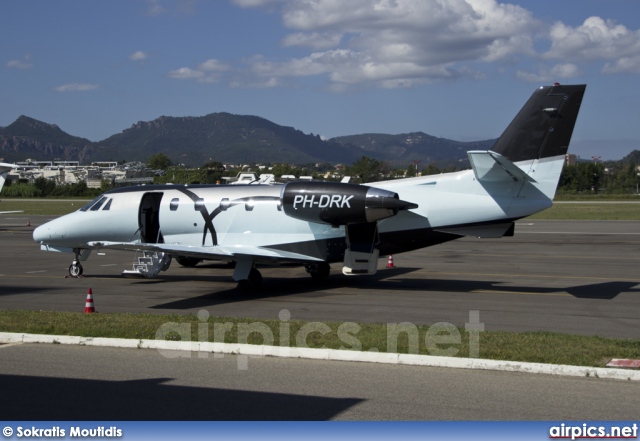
[{"x": 226, "y": 138}]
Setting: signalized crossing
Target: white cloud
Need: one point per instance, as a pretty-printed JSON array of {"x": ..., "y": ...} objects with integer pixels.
[
  {"x": 595, "y": 39},
  {"x": 186, "y": 73},
  {"x": 23, "y": 64},
  {"x": 623, "y": 65},
  {"x": 76, "y": 87},
  {"x": 558, "y": 72},
  {"x": 210, "y": 71},
  {"x": 398, "y": 43},
  {"x": 214, "y": 65},
  {"x": 401, "y": 43},
  {"x": 138, "y": 56},
  {"x": 315, "y": 40},
  {"x": 255, "y": 3},
  {"x": 155, "y": 8},
  {"x": 267, "y": 83}
]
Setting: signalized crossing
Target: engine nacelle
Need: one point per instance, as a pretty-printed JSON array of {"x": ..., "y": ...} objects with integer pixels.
[{"x": 337, "y": 203}]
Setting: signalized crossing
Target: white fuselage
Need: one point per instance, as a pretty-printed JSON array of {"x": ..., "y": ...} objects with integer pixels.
[{"x": 252, "y": 215}]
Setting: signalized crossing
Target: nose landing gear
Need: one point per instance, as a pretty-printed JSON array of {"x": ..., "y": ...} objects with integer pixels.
[{"x": 75, "y": 269}]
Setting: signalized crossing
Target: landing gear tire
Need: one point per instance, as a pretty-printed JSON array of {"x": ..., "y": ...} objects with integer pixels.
[
  {"x": 189, "y": 262},
  {"x": 252, "y": 283},
  {"x": 318, "y": 271},
  {"x": 75, "y": 269}
]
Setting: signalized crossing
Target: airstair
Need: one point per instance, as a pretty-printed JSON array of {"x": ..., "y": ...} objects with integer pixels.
[{"x": 149, "y": 264}]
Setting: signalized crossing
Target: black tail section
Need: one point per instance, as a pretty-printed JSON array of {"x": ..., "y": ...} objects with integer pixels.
[{"x": 543, "y": 127}]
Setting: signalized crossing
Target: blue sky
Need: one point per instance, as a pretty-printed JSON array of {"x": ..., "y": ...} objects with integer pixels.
[{"x": 451, "y": 68}]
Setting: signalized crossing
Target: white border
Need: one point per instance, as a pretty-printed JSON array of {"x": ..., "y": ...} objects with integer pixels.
[{"x": 329, "y": 354}]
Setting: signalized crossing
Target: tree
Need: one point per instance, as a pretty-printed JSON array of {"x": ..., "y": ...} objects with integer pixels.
[
  {"x": 44, "y": 186},
  {"x": 159, "y": 161},
  {"x": 214, "y": 165},
  {"x": 431, "y": 169},
  {"x": 366, "y": 169}
]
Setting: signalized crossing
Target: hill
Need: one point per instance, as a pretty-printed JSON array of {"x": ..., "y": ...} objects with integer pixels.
[
  {"x": 226, "y": 138},
  {"x": 405, "y": 148},
  {"x": 221, "y": 137},
  {"x": 30, "y": 138},
  {"x": 632, "y": 158}
]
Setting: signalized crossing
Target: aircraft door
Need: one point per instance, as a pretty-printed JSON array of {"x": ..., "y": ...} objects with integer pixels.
[{"x": 149, "y": 218}]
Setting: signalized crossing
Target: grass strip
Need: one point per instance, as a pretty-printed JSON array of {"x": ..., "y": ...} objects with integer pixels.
[
  {"x": 45, "y": 207},
  {"x": 590, "y": 211},
  {"x": 541, "y": 347}
]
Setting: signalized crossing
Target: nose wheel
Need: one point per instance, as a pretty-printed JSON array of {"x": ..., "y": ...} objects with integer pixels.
[{"x": 75, "y": 269}]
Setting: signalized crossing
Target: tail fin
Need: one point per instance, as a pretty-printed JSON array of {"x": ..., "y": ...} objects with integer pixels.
[{"x": 543, "y": 127}]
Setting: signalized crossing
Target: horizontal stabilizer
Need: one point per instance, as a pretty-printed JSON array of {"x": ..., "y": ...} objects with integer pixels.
[{"x": 489, "y": 166}]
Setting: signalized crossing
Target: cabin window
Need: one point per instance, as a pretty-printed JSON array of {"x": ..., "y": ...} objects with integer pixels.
[
  {"x": 107, "y": 205},
  {"x": 199, "y": 205},
  {"x": 173, "y": 205},
  {"x": 97, "y": 205},
  {"x": 224, "y": 204}
]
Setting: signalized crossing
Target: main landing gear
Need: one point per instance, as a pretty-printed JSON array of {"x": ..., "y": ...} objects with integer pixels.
[
  {"x": 318, "y": 271},
  {"x": 252, "y": 282},
  {"x": 189, "y": 262}
]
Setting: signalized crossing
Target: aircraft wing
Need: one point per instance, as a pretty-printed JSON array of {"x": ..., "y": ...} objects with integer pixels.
[
  {"x": 216, "y": 252},
  {"x": 9, "y": 212}
]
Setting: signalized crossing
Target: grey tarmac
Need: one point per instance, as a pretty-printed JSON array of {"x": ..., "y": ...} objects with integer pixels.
[
  {"x": 577, "y": 277},
  {"x": 59, "y": 382}
]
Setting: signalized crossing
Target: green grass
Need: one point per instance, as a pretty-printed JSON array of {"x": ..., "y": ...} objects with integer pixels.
[
  {"x": 597, "y": 197},
  {"x": 587, "y": 211},
  {"x": 47, "y": 207},
  {"x": 541, "y": 347}
]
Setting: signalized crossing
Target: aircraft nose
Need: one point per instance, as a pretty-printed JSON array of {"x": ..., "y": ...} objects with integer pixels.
[{"x": 50, "y": 231}]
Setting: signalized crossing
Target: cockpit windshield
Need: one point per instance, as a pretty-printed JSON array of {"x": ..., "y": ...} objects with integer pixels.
[{"x": 97, "y": 202}]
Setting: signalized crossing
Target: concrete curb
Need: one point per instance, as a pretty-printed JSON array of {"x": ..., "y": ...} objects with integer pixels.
[{"x": 170, "y": 348}]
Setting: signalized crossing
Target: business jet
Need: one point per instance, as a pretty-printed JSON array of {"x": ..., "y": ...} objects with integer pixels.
[
  {"x": 316, "y": 223},
  {"x": 4, "y": 171}
]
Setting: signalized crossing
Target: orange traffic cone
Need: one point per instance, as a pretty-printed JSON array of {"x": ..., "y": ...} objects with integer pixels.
[
  {"x": 28, "y": 222},
  {"x": 88, "y": 306},
  {"x": 390, "y": 262}
]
